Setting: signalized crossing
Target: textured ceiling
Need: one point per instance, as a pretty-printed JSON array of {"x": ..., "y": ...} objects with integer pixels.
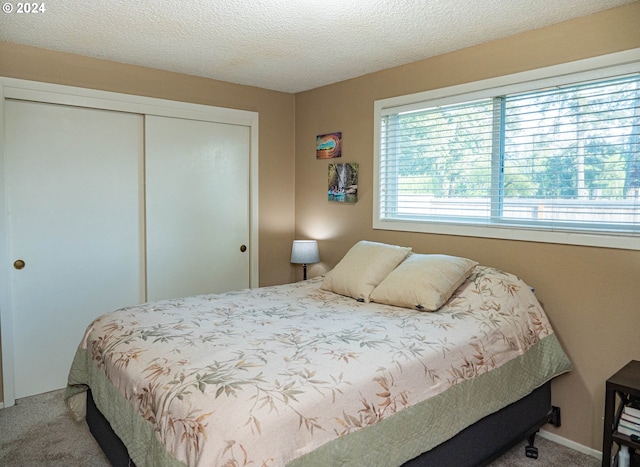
[{"x": 285, "y": 45}]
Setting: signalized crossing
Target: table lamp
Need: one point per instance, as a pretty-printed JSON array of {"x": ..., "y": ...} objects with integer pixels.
[{"x": 305, "y": 252}]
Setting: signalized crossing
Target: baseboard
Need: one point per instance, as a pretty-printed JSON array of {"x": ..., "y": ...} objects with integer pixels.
[
  {"x": 570, "y": 444},
  {"x": 1, "y": 405}
]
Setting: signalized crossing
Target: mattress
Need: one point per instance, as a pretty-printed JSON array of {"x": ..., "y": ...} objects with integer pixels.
[{"x": 295, "y": 375}]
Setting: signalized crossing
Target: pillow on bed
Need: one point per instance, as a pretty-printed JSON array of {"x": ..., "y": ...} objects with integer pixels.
[
  {"x": 364, "y": 266},
  {"x": 423, "y": 282}
]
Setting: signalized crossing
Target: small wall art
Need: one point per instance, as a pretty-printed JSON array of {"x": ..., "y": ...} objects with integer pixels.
[
  {"x": 329, "y": 146},
  {"x": 343, "y": 182}
]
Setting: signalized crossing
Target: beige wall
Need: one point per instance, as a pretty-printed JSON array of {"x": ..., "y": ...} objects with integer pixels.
[
  {"x": 276, "y": 130},
  {"x": 591, "y": 294}
]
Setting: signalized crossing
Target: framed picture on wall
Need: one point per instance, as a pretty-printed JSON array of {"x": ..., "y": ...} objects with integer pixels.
[
  {"x": 329, "y": 146},
  {"x": 343, "y": 182}
]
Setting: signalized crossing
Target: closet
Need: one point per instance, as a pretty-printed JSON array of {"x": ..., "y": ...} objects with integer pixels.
[{"x": 112, "y": 200}]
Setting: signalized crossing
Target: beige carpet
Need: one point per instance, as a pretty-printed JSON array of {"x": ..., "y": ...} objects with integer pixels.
[{"x": 39, "y": 432}]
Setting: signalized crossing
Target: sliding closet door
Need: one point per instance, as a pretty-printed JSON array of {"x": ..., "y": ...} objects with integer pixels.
[
  {"x": 73, "y": 191},
  {"x": 197, "y": 198}
]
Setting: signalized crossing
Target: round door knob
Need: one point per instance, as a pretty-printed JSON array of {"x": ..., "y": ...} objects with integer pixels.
[
  {"x": 18, "y": 264},
  {"x": 243, "y": 248}
]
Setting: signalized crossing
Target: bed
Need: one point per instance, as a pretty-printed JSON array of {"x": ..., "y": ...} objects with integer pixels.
[{"x": 392, "y": 358}]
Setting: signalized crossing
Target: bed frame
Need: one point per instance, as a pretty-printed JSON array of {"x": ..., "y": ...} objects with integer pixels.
[{"x": 477, "y": 445}]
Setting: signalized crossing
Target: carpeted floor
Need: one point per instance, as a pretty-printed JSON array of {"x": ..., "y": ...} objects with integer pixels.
[{"x": 39, "y": 432}]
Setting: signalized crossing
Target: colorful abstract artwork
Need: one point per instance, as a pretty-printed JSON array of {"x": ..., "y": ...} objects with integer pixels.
[{"x": 329, "y": 146}]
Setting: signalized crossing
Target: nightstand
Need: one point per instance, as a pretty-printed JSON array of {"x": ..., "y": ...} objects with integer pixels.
[{"x": 625, "y": 386}]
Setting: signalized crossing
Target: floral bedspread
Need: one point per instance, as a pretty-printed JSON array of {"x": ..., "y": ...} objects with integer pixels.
[{"x": 261, "y": 377}]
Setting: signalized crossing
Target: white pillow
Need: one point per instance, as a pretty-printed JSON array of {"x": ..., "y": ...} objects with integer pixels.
[
  {"x": 423, "y": 282},
  {"x": 364, "y": 266}
]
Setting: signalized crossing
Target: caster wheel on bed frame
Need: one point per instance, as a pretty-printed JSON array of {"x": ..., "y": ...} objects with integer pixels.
[{"x": 531, "y": 451}]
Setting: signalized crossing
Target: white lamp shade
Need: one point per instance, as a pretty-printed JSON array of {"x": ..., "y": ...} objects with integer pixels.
[{"x": 305, "y": 252}]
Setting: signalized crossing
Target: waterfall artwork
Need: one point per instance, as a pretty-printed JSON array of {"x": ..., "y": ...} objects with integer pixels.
[{"x": 343, "y": 182}]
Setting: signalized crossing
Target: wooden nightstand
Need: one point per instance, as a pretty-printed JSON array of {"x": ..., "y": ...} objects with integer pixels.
[{"x": 625, "y": 384}]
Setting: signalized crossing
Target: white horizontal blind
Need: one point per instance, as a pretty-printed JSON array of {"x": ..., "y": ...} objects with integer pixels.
[{"x": 563, "y": 158}]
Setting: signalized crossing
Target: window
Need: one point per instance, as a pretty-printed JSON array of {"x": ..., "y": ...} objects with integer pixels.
[{"x": 544, "y": 160}]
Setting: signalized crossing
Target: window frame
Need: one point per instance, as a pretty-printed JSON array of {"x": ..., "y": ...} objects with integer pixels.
[{"x": 600, "y": 67}]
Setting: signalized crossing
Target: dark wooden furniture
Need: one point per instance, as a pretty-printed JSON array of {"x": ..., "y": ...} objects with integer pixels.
[{"x": 625, "y": 386}]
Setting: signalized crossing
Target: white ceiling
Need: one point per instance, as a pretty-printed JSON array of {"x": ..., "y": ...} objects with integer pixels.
[{"x": 285, "y": 45}]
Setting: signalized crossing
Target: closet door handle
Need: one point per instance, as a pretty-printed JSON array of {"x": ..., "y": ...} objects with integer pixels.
[
  {"x": 18, "y": 264},
  {"x": 243, "y": 248}
]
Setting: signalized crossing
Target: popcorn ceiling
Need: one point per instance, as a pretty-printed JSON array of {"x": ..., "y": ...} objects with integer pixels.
[{"x": 284, "y": 45}]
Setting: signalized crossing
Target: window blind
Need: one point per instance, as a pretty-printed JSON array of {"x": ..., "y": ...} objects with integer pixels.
[{"x": 561, "y": 158}]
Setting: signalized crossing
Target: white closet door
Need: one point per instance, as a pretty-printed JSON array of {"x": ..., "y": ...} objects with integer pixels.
[
  {"x": 197, "y": 198},
  {"x": 74, "y": 198}
]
